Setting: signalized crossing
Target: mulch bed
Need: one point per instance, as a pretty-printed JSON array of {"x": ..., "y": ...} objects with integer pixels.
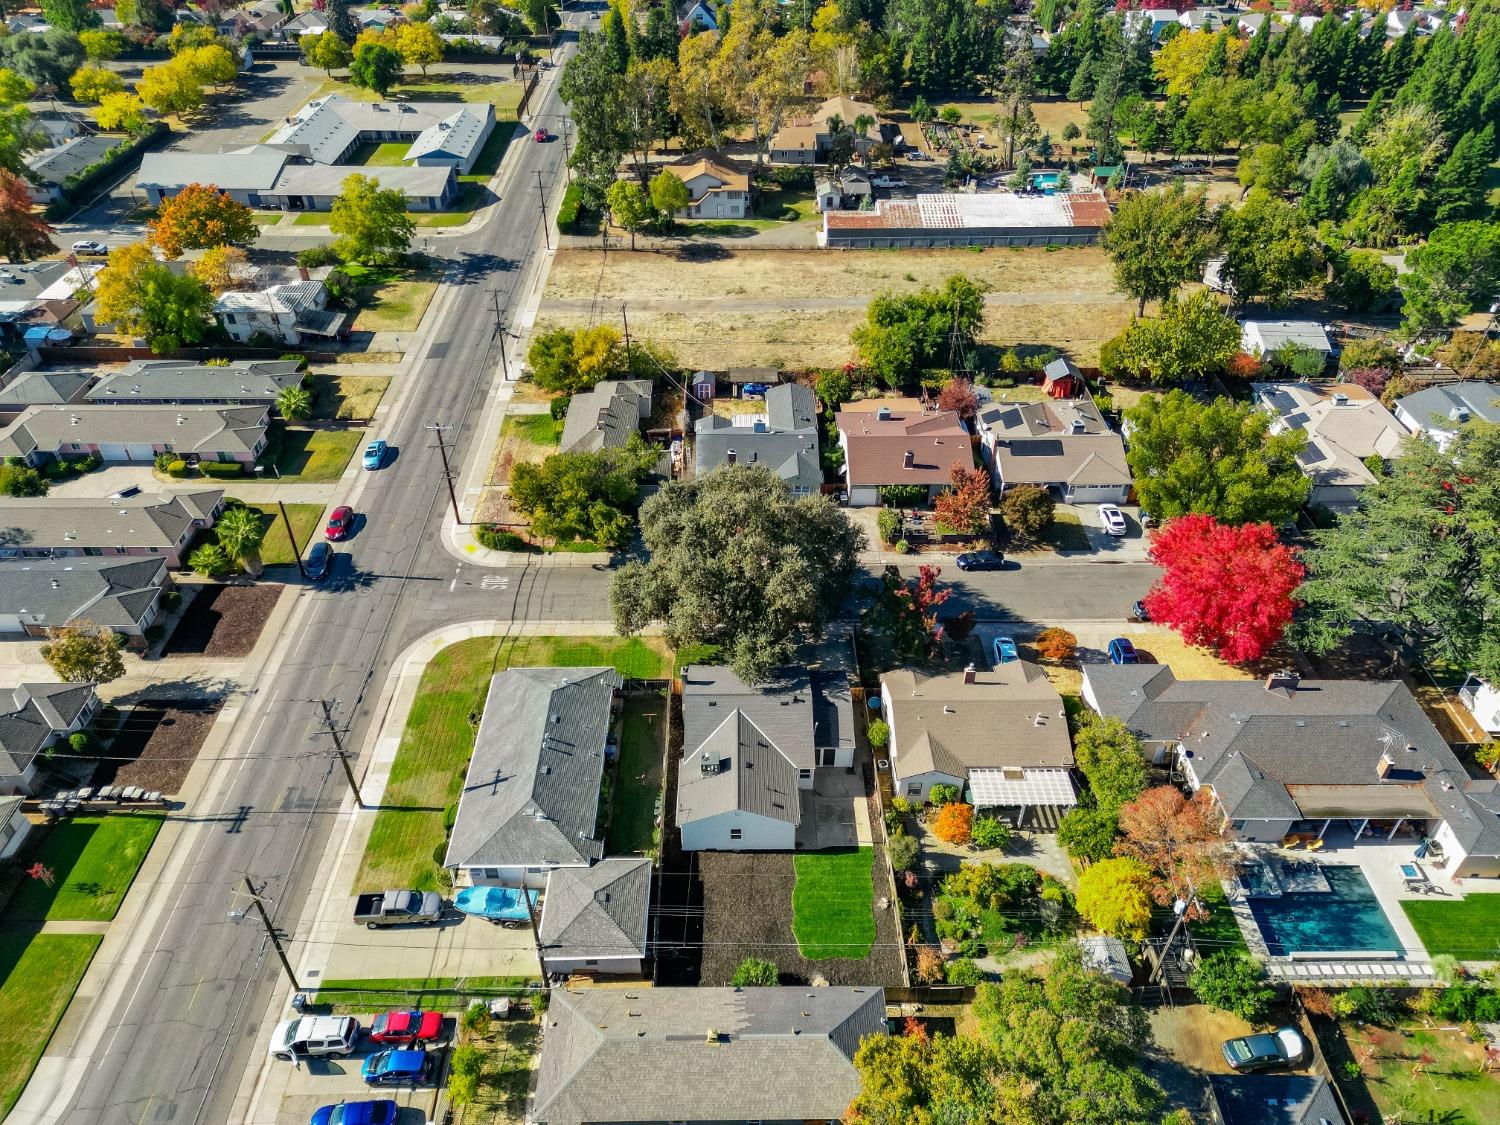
[
  {"x": 161, "y": 741},
  {"x": 223, "y": 622}
]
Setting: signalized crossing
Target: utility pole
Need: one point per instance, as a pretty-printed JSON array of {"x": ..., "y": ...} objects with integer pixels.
[
  {"x": 438, "y": 428},
  {"x": 567, "y": 156},
  {"x": 1182, "y": 907},
  {"x": 260, "y": 908},
  {"x": 338, "y": 746},
  {"x": 292, "y": 539},
  {"x": 541, "y": 195},
  {"x": 626, "y": 321},
  {"x": 501, "y": 334}
]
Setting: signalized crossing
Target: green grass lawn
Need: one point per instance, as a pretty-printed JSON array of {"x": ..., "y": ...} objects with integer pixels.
[
  {"x": 396, "y": 306},
  {"x": 313, "y": 456},
  {"x": 38, "y": 975},
  {"x": 833, "y": 904},
  {"x": 539, "y": 429},
  {"x": 443, "y": 993},
  {"x": 276, "y": 549},
  {"x": 1421, "y": 1074},
  {"x": 1219, "y": 930},
  {"x": 93, "y": 860},
  {"x": 1066, "y": 532},
  {"x": 786, "y": 205},
  {"x": 1469, "y": 930},
  {"x": 638, "y": 776},
  {"x": 351, "y": 397},
  {"x": 428, "y": 772},
  {"x": 392, "y": 154}
]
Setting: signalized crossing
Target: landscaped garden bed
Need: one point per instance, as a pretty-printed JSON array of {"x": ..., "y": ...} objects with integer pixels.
[
  {"x": 157, "y": 745},
  {"x": 223, "y": 622}
]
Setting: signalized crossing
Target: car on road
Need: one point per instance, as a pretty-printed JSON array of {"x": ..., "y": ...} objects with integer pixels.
[
  {"x": 540, "y": 135},
  {"x": 340, "y": 521},
  {"x": 1284, "y": 1047},
  {"x": 888, "y": 182},
  {"x": 396, "y": 1067},
  {"x": 1005, "y": 650},
  {"x": 314, "y": 1037},
  {"x": 381, "y": 1112},
  {"x": 374, "y": 456},
  {"x": 1113, "y": 520},
  {"x": 917, "y": 154},
  {"x": 402, "y": 1028},
  {"x": 1121, "y": 651},
  {"x": 89, "y": 246},
  {"x": 319, "y": 562},
  {"x": 981, "y": 560},
  {"x": 1138, "y": 612}
]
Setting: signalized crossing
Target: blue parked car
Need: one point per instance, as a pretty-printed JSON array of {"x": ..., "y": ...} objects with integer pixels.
[
  {"x": 382, "y": 1112},
  {"x": 375, "y": 454},
  {"x": 1121, "y": 651},
  {"x": 396, "y": 1068},
  {"x": 1005, "y": 650}
]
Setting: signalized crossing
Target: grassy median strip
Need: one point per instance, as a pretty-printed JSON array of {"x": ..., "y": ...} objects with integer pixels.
[
  {"x": 93, "y": 860},
  {"x": 444, "y": 993},
  {"x": 833, "y": 904},
  {"x": 38, "y": 975},
  {"x": 408, "y": 837}
]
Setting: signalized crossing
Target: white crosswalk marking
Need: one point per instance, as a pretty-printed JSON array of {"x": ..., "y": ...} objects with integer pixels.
[{"x": 494, "y": 582}]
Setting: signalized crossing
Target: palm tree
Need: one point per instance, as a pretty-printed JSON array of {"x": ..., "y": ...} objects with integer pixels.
[
  {"x": 862, "y": 126},
  {"x": 241, "y": 531},
  {"x": 294, "y": 402}
]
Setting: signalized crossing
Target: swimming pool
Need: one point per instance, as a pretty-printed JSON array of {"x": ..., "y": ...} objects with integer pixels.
[
  {"x": 1045, "y": 179},
  {"x": 1345, "y": 918}
]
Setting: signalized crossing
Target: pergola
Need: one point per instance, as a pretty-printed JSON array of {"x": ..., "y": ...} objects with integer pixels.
[{"x": 1008, "y": 787}]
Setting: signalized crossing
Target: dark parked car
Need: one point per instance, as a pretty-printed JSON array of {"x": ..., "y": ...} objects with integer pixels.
[
  {"x": 1283, "y": 1047},
  {"x": 382, "y": 1112},
  {"x": 1138, "y": 612},
  {"x": 981, "y": 560},
  {"x": 319, "y": 561},
  {"x": 1121, "y": 651},
  {"x": 396, "y": 1067}
]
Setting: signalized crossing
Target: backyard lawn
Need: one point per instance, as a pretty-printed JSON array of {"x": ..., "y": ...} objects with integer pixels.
[
  {"x": 1468, "y": 930},
  {"x": 638, "y": 776},
  {"x": 350, "y": 397},
  {"x": 833, "y": 904},
  {"x": 38, "y": 975},
  {"x": 428, "y": 773},
  {"x": 93, "y": 860},
  {"x": 276, "y": 550},
  {"x": 1420, "y": 1074},
  {"x": 313, "y": 456}
]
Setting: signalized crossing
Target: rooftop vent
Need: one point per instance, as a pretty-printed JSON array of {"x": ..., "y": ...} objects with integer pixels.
[
  {"x": 711, "y": 1037},
  {"x": 883, "y": 414},
  {"x": 1340, "y": 398},
  {"x": 1459, "y": 414},
  {"x": 708, "y": 765},
  {"x": 1079, "y": 426},
  {"x": 1285, "y": 679},
  {"x": 969, "y": 674},
  {"x": 730, "y": 456},
  {"x": 909, "y": 459}
]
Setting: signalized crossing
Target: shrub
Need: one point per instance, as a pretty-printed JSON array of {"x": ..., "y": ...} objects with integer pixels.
[
  {"x": 1370, "y": 1004},
  {"x": 567, "y": 210},
  {"x": 315, "y": 256},
  {"x": 21, "y": 480},
  {"x": 963, "y": 971},
  {"x": 79, "y": 741},
  {"x": 301, "y": 359},
  {"x": 991, "y": 833},
  {"x": 1372, "y": 379},
  {"x": 163, "y": 461},
  {"x": 171, "y": 600},
  {"x": 993, "y": 886},
  {"x": 901, "y": 547},
  {"x": 559, "y": 407},
  {"x": 903, "y": 495},
  {"x": 954, "y": 823},
  {"x": 903, "y": 851},
  {"x": 753, "y": 972},
  {"x": 888, "y": 522},
  {"x": 221, "y": 469},
  {"x": 1232, "y": 982},
  {"x": 929, "y": 965},
  {"x": 1056, "y": 645},
  {"x": 1243, "y": 365},
  {"x": 476, "y": 1021},
  {"x": 177, "y": 468},
  {"x": 945, "y": 794},
  {"x": 879, "y": 733},
  {"x": 497, "y": 539},
  {"x": 209, "y": 560},
  {"x": 903, "y": 806}
]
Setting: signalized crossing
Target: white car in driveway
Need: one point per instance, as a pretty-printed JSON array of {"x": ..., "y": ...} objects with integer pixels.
[
  {"x": 1113, "y": 520},
  {"x": 888, "y": 182}
]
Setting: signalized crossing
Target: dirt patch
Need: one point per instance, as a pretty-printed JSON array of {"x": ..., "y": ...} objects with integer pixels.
[
  {"x": 223, "y": 622},
  {"x": 1185, "y": 1050},
  {"x": 160, "y": 742}
]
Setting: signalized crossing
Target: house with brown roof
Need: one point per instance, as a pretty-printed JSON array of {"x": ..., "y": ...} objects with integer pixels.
[
  {"x": 1345, "y": 426},
  {"x": 1001, "y": 733},
  {"x": 901, "y": 446},
  {"x": 805, "y": 140},
  {"x": 1062, "y": 445},
  {"x": 719, "y": 188}
]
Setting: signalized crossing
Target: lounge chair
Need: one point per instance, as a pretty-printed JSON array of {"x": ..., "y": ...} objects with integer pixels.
[{"x": 1314, "y": 845}]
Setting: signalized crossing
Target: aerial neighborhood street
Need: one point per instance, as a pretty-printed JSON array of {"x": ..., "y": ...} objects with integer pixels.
[{"x": 778, "y": 560}]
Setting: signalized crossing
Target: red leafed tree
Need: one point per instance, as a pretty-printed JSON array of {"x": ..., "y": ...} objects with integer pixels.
[
  {"x": 964, "y": 509},
  {"x": 1177, "y": 838},
  {"x": 24, "y": 233},
  {"x": 1227, "y": 588},
  {"x": 960, "y": 397}
]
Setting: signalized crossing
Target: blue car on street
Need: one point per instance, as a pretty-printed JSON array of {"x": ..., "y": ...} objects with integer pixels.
[
  {"x": 396, "y": 1067},
  {"x": 382, "y": 1112},
  {"x": 375, "y": 454}
]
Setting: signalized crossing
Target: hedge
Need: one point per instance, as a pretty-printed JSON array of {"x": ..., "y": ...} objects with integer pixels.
[
  {"x": 498, "y": 540},
  {"x": 108, "y": 168},
  {"x": 221, "y": 468},
  {"x": 567, "y": 210}
]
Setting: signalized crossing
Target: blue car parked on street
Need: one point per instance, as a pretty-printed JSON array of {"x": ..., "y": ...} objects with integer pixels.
[
  {"x": 374, "y": 454},
  {"x": 396, "y": 1067},
  {"x": 382, "y": 1112}
]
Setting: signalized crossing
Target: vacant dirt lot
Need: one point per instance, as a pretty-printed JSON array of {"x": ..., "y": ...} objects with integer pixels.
[
  {"x": 160, "y": 742},
  {"x": 796, "y": 308},
  {"x": 223, "y": 622}
]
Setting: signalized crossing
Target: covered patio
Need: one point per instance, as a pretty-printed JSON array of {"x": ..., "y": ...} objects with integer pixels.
[{"x": 1015, "y": 792}]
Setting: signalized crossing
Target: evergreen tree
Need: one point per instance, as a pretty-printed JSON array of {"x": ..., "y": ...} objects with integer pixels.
[
  {"x": 1255, "y": 54},
  {"x": 341, "y": 20},
  {"x": 619, "y": 44},
  {"x": 659, "y": 39},
  {"x": 1458, "y": 188}
]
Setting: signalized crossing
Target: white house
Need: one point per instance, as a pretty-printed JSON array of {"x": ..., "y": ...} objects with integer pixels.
[
  {"x": 14, "y": 826},
  {"x": 1344, "y": 424},
  {"x": 1439, "y": 412},
  {"x": 718, "y": 187},
  {"x": 291, "y": 313},
  {"x": 1262, "y": 337},
  {"x": 594, "y": 918}
]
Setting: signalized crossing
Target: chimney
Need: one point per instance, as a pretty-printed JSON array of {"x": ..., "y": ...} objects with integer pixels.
[
  {"x": 969, "y": 674},
  {"x": 731, "y": 456},
  {"x": 1384, "y": 767},
  {"x": 1284, "y": 679},
  {"x": 303, "y": 274},
  {"x": 909, "y": 460}
]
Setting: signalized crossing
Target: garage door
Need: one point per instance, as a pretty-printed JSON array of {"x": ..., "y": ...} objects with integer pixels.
[
  {"x": 138, "y": 452},
  {"x": 1098, "y": 494},
  {"x": 111, "y": 452},
  {"x": 10, "y": 623}
]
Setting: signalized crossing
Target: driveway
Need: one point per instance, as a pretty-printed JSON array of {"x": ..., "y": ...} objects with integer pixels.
[
  {"x": 1131, "y": 547},
  {"x": 107, "y": 481}
]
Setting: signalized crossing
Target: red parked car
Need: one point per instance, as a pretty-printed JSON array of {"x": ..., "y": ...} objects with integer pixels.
[
  {"x": 407, "y": 1027},
  {"x": 340, "y": 520}
]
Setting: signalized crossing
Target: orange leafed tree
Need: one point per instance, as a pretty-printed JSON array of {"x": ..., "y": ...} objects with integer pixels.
[
  {"x": 954, "y": 823},
  {"x": 1177, "y": 838},
  {"x": 200, "y": 216},
  {"x": 24, "y": 233},
  {"x": 1056, "y": 645},
  {"x": 964, "y": 509}
]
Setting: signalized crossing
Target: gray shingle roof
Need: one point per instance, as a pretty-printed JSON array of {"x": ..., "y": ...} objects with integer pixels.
[
  {"x": 605, "y": 417},
  {"x": 1275, "y": 1099},
  {"x": 745, "y": 772},
  {"x": 51, "y": 592},
  {"x": 183, "y": 381},
  {"x": 787, "y": 443},
  {"x": 531, "y": 796},
  {"x": 56, "y": 165},
  {"x": 791, "y": 406},
  {"x": 186, "y": 429},
  {"x": 44, "y": 388},
  {"x": 782, "y": 709},
  {"x": 141, "y": 521},
  {"x": 776, "y": 1054},
  {"x": 1434, "y": 407},
  {"x": 328, "y": 179},
  {"x": 456, "y": 135},
  {"x": 35, "y": 714},
  {"x": 247, "y": 169},
  {"x": 599, "y": 911}
]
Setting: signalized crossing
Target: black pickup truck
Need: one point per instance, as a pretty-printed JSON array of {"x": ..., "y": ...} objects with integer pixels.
[{"x": 395, "y": 908}]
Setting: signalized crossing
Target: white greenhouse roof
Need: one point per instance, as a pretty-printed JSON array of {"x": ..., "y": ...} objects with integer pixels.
[{"x": 992, "y": 788}]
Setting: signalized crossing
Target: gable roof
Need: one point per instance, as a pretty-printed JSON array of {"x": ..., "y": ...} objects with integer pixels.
[
  {"x": 711, "y": 162},
  {"x": 1344, "y": 424},
  {"x": 598, "y": 911},
  {"x": 32, "y": 716},
  {"x": 1262, "y": 337},
  {"x": 877, "y": 446},
  {"x": 116, "y": 593},
  {"x": 183, "y": 380},
  {"x": 702, "y": 1054},
  {"x": 187, "y": 429},
  {"x": 737, "y": 768},
  {"x": 139, "y": 521},
  {"x": 1434, "y": 408},
  {"x": 531, "y": 793},
  {"x": 44, "y": 388},
  {"x": 787, "y": 442},
  {"x": 456, "y": 135},
  {"x": 605, "y": 417},
  {"x": 55, "y": 165}
]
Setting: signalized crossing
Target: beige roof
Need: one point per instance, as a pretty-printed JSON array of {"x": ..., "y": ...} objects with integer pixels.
[
  {"x": 795, "y": 136},
  {"x": 1011, "y": 716},
  {"x": 1343, "y": 422},
  {"x": 706, "y": 162},
  {"x": 845, "y": 108},
  {"x": 878, "y": 446},
  {"x": 1078, "y": 460}
]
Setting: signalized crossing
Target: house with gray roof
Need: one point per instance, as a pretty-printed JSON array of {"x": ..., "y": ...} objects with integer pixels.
[
  {"x": 1273, "y": 1099},
  {"x": 1002, "y": 733},
  {"x": 183, "y": 382},
  {"x": 750, "y": 753},
  {"x": 14, "y": 827},
  {"x": 32, "y": 718},
  {"x": 1439, "y": 412},
  {"x": 314, "y": 187},
  {"x": 702, "y": 1054},
  {"x": 530, "y": 802},
  {"x": 244, "y": 174},
  {"x": 606, "y": 417},
  {"x": 1062, "y": 445},
  {"x": 56, "y": 527},
  {"x": 784, "y": 439},
  {"x": 1261, "y": 338},
  {"x": 137, "y": 433},
  {"x": 41, "y": 594},
  {"x": 456, "y": 141},
  {"x": 328, "y": 130},
  {"x": 293, "y": 312},
  {"x": 1344, "y": 425},
  {"x": 1353, "y": 757},
  {"x": 594, "y": 918},
  {"x": 51, "y": 169},
  {"x": 42, "y": 388}
]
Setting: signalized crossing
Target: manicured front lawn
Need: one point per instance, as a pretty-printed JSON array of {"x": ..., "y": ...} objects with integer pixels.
[
  {"x": 443, "y": 993},
  {"x": 638, "y": 776},
  {"x": 313, "y": 456},
  {"x": 276, "y": 549},
  {"x": 539, "y": 429},
  {"x": 1066, "y": 532},
  {"x": 1420, "y": 1074},
  {"x": 396, "y": 306},
  {"x": 427, "y": 775},
  {"x": 93, "y": 860},
  {"x": 38, "y": 976},
  {"x": 347, "y": 397},
  {"x": 1469, "y": 930},
  {"x": 833, "y": 904}
]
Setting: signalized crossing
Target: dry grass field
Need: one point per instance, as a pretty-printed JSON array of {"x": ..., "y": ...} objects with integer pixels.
[{"x": 796, "y": 308}]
